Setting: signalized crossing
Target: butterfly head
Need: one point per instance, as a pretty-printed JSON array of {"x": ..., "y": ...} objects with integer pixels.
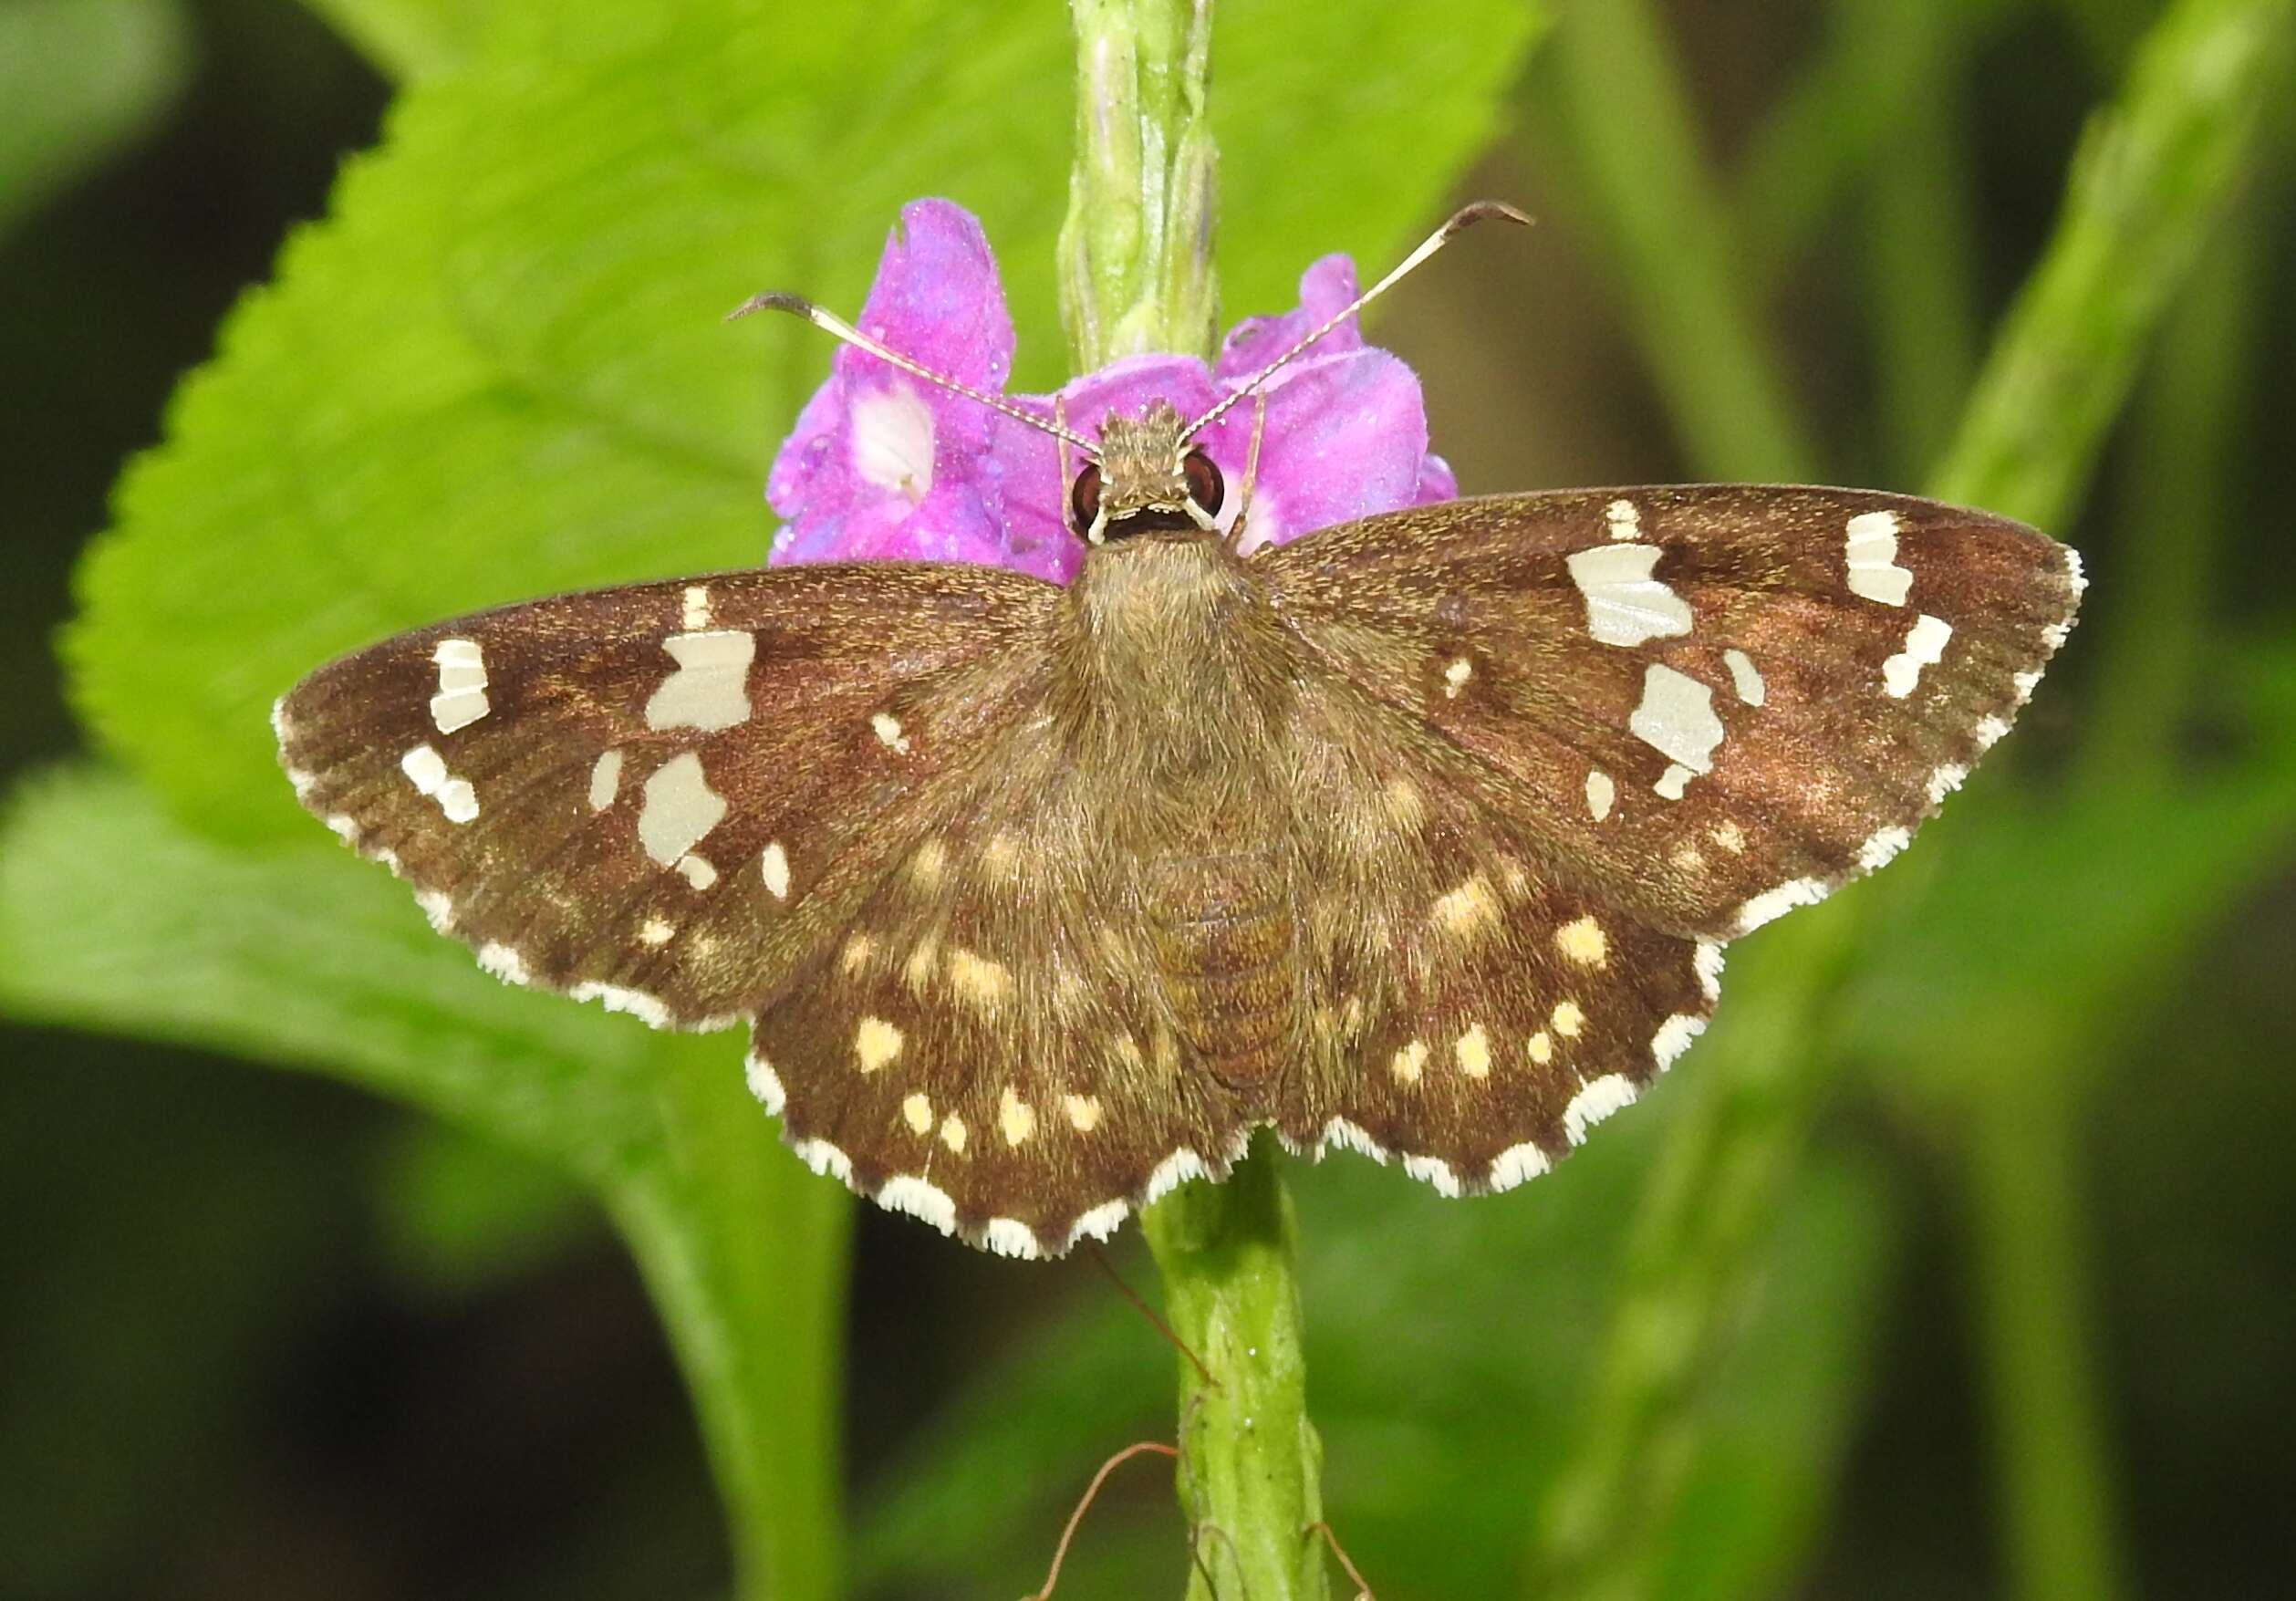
[{"x": 1149, "y": 476}]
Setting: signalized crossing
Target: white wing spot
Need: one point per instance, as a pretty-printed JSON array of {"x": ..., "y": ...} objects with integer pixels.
[
  {"x": 876, "y": 1042},
  {"x": 1674, "y": 780},
  {"x": 1871, "y": 552},
  {"x": 774, "y": 863},
  {"x": 606, "y": 780},
  {"x": 696, "y": 613},
  {"x": 1925, "y": 644},
  {"x": 893, "y": 441},
  {"x": 461, "y": 697},
  {"x": 1542, "y": 1047},
  {"x": 1582, "y": 941},
  {"x": 710, "y": 687},
  {"x": 1745, "y": 677},
  {"x": 916, "y": 1111},
  {"x": 1625, "y": 605},
  {"x": 656, "y": 931},
  {"x": 679, "y": 808},
  {"x": 1598, "y": 1100},
  {"x": 1675, "y": 718},
  {"x": 1568, "y": 1019},
  {"x": 1624, "y": 519},
  {"x": 888, "y": 731},
  {"x": 426, "y": 770},
  {"x": 1455, "y": 677},
  {"x": 1601, "y": 793},
  {"x": 1730, "y": 838},
  {"x": 953, "y": 1133},
  {"x": 697, "y": 871},
  {"x": 1084, "y": 1112}
]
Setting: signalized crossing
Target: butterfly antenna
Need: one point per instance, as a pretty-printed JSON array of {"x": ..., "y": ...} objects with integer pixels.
[
  {"x": 1466, "y": 217},
  {"x": 831, "y": 323},
  {"x": 1060, "y": 1552},
  {"x": 1362, "y": 1590},
  {"x": 1145, "y": 1310}
]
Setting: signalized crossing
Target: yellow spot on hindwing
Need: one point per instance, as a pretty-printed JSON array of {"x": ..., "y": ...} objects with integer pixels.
[
  {"x": 1568, "y": 1019},
  {"x": 859, "y": 949},
  {"x": 926, "y": 864},
  {"x": 1084, "y": 1112},
  {"x": 977, "y": 979},
  {"x": 1472, "y": 1051},
  {"x": 918, "y": 969},
  {"x": 1467, "y": 911},
  {"x": 876, "y": 1042},
  {"x": 1582, "y": 941},
  {"x": 1409, "y": 1062},
  {"x": 953, "y": 1133},
  {"x": 1730, "y": 838},
  {"x": 1542, "y": 1047},
  {"x": 917, "y": 1113},
  {"x": 1016, "y": 1117}
]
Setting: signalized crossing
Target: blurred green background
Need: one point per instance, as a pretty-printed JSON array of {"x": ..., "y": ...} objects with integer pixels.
[{"x": 1955, "y": 1263}]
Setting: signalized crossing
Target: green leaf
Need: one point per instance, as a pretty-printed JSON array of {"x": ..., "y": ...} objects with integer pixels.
[
  {"x": 80, "y": 78},
  {"x": 112, "y": 917},
  {"x": 410, "y": 38},
  {"x": 498, "y": 368}
]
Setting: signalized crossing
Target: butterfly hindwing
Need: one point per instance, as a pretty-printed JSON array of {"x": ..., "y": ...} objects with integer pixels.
[
  {"x": 664, "y": 794},
  {"x": 1706, "y": 704}
]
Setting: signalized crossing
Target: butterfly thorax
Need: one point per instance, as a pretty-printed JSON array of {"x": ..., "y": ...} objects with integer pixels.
[{"x": 1175, "y": 690}]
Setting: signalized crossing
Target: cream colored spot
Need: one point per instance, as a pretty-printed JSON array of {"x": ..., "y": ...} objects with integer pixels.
[
  {"x": 1128, "y": 1052},
  {"x": 1001, "y": 854},
  {"x": 925, "y": 866},
  {"x": 679, "y": 808},
  {"x": 774, "y": 863},
  {"x": 916, "y": 1111},
  {"x": 1084, "y": 1112},
  {"x": 1410, "y": 1062},
  {"x": 984, "y": 982},
  {"x": 859, "y": 949},
  {"x": 1924, "y": 644},
  {"x": 922, "y": 963},
  {"x": 876, "y": 1042},
  {"x": 1730, "y": 838},
  {"x": 893, "y": 441},
  {"x": 1016, "y": 1117},
  {"x": 1625, "y": 605},
  {"x": 888, "y": 729},
  {"x": 1745, "y": 677},
  {"x": 697, "y": 871},
  {"x": 1601, "y": 793},
  {"x": 1870, "y": 551},
  {"x": 1455, "y": 677},
  {"x": 1471, "y": 1050},
  {"x": 1568, "y": 1019},
  {"x": 1624, "y": 519},
  {"x": 1582, "y": 941},
  {"x": 426, "y": 770},
  {"x": 1675, "y": 718},
  {"x": 1674, "y": 780},
  {"x": 461, "y": 697},
  {"x": 710, "y": 688},
  {"x": 1542, "y": 1047},
  {"x": 606, "y": 780},
  {"x": 1688, "y": 858},
  {"x": 696, "y": 614},
  {"x": 953, "y": 1133},
  {"x": 1468, "y": 910},
  {"x": 657, "y": 932}
]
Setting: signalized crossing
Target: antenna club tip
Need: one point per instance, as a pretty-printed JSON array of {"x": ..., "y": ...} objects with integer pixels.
[
  {"x": 772, "y": 300},
  {"x": 1483, "y": 211}
]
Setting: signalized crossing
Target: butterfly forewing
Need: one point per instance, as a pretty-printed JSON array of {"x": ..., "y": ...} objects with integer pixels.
[
  {"x": 1703, "y": 704},
  {"x": 664, "y": 794}
]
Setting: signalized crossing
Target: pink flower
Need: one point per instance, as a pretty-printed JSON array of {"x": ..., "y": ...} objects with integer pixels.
[{"x": 883, "y": 465}]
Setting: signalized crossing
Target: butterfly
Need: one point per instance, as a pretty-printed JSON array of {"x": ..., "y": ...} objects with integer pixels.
[{"x": 1421, "y": 835}]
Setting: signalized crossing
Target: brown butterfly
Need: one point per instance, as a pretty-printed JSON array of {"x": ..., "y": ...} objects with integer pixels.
[{"x": 1420, "y": 834}]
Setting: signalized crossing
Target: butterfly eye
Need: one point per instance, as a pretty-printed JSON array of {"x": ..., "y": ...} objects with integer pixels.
[
  {"x": 1084, "y": 497},
  {"x": 1204, "y": 485}
]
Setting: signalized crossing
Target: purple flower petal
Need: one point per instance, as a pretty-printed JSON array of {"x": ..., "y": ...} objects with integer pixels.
[{"x": 1324, "y": 289}]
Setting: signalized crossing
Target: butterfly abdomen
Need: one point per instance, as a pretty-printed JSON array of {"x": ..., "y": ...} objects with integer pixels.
[{"x": 1223, "y": 931}]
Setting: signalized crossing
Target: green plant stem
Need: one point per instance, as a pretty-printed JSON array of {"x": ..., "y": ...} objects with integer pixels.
[{"x": 1137, "y": 274}]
